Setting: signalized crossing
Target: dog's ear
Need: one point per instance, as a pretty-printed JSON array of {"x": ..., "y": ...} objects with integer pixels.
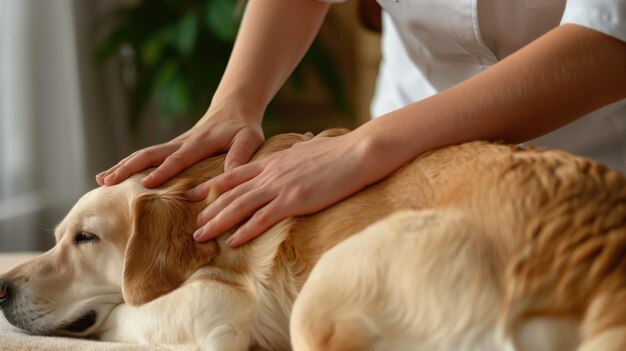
[{"x": 161, "y": 252}]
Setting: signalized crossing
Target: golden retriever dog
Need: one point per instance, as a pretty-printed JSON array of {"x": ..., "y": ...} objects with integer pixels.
[{"x": 471, "y": 247}]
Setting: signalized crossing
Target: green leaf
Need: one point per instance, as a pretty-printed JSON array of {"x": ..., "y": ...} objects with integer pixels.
[
  {"x": 188, "y": 33},
  {"x": 174, "y": 98},
  {"x": 166, "y": 72},
  {"x": 152, "y": 50},
  {"x": 222, "y": 19},
  {"x": 139, "y": 97},
  {"x": 182, "y": 48}
]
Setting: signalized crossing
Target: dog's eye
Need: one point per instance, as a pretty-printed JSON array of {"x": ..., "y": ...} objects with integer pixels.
[{"x": 83, "y": 238}]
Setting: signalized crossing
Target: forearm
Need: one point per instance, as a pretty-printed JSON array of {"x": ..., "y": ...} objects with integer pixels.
[
  {"x": 561, "y": 76},
  {"x": 273, "y": 37}
]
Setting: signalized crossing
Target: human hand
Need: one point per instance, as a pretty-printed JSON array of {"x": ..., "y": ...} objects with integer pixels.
[
  {"x": 215, "y": 132},
  {"x": 304, "y": 179}
]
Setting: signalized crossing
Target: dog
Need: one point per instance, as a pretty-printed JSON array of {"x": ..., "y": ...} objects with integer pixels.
[{"x": 478, "y": 246}]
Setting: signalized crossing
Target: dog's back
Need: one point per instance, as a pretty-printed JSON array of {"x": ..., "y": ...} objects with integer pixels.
[{"x": 510, "y": 249}]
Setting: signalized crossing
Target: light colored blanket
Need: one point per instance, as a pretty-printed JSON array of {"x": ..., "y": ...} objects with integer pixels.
[{"x": 12, "y": 339}]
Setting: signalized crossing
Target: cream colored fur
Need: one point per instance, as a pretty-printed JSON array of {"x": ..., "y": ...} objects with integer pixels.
[{"x": 471, "y": 247}]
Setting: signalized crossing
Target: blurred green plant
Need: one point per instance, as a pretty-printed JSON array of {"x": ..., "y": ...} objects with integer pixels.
[{"x": 177, "y": 50}]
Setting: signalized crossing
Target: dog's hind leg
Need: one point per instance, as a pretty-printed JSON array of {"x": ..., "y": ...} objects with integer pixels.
[
  {"x": 604, "y": 325},
  {"x": 613, "y": 339},
  {"x": 225, "y": 337},
  {"x": 413, "y": 281}
]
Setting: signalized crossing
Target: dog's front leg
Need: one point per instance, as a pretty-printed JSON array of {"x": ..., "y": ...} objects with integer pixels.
[{"x": 201, "y": 315}]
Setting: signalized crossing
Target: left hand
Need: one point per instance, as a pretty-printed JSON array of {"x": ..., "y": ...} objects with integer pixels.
[{"x": 304, "y": 179}]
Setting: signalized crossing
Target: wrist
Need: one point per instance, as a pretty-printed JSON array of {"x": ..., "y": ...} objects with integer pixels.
[
  {"x": 235, "y": 107},
  {"x": 374, "y": 154},
  {"x": 383, "y": 146}
]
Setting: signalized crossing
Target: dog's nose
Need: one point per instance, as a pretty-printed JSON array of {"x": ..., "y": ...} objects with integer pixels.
[{"x": 4, "y": 292}]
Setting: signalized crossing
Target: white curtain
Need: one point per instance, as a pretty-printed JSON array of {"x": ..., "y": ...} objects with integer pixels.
[
  {"x": 62, "y": 119},
  {"x": 42, "y": 148}
]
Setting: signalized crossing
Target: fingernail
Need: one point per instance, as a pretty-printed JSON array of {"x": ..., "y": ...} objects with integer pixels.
[
  {"x": 110, "y": 178},
  {"x": 198, "y": 234},
  {"x": 234, "y": 165},
  {"x": 146, "y": 179},
  {"x": 230, "y": 240}
]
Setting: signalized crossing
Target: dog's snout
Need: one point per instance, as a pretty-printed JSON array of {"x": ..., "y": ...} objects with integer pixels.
[{"x": 5, "y": 292}]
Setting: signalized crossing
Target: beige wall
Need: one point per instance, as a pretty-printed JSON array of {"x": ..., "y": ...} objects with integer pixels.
[{"x": 357, "y": 54}]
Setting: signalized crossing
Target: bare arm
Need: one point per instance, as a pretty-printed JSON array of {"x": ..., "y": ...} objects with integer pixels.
[
  {"x": 273, "y": 38},
  {"x": 559, "y": 77}
]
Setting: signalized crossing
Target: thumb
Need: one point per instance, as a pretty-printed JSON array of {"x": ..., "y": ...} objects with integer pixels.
[{"x": 245, "y": 143}]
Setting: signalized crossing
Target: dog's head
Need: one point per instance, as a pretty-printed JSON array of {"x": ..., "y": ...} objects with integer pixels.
[{"x": 118, "y": 244}]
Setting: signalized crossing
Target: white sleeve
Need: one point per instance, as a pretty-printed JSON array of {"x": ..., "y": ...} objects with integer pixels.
[{"x": 605, "y": 16}]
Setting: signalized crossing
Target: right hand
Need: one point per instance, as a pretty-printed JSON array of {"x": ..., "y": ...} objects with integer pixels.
[
  {"x": 214, "y": 133},
  {"x": 298, "y": 181}
]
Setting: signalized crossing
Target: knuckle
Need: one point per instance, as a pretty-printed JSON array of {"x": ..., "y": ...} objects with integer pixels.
[
  {"x": 201, "y": 218},
  {"x": 177, "y": 159},
  {"x": 145, "y": 154},
  {"x": 220, "y": 184},
  {"x": 248, "y": 143},
  {"x": 203, "y": 189},
  {"x": 247, "y": 229},
  {"x": 219, "y": 204},
  {"x": 230, "y": 177},
  {"x": 202, "y": 134},
  {"x": 216, "y": 187},
  {"x": 237, "y": 205},
  {"x": 123, "y": 169},
  {"x": 243, "y": 231},
  {"x": 261, "y": 219},
  {"x": 298, "y": 193}
]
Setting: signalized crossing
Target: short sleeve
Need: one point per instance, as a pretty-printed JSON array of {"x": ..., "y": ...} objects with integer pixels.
[{"x": 605, "y": 16}]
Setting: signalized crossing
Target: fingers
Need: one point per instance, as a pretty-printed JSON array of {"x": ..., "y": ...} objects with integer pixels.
[
  {"x": 261, "y": 221},
  {"x": 137, "y": 162},
  {"x": 177, "y": 161},
  {"x": 238, "y": 208},
  {"x": 111, "y": 170},
  {"x": 211, "y": 211},
  {"x": 200, "y": 192},
  {"x": 224, "y": 182},
  {"x": 241, "y": 139},
  {"x": 243, "y": 147},
  {"x": 100, "y": 176}
]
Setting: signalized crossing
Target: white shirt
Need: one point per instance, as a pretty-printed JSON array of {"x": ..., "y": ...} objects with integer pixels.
[{"x": 430, "y": 45}]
